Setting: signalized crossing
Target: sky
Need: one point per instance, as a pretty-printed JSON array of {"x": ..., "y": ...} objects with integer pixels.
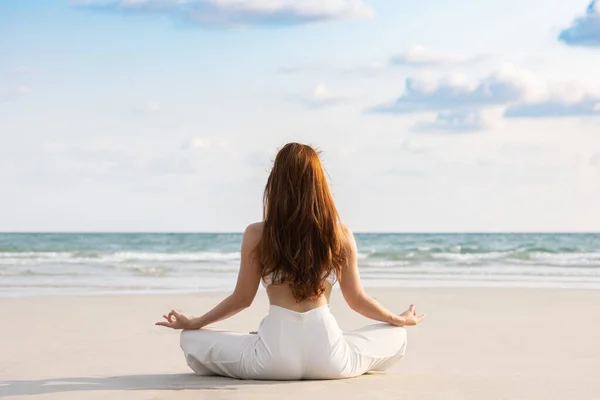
[{"x": 431, "y": 116}]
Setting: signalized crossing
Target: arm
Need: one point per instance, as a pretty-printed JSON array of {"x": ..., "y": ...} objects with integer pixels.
[
  {"x": 246, "y": 286},
  {"x": 242, "y": 296},
  {"x": 360, "y": 301}
]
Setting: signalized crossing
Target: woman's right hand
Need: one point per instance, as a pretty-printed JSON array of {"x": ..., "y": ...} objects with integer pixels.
[{"x": 410, "y": 317}]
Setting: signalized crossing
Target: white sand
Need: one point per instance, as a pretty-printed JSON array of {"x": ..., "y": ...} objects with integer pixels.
[{"x": 475, "y": 344}]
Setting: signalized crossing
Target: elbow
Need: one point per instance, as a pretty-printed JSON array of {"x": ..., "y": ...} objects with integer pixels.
[
  {"x": 242, "y": 302},
  {"x": 355, "y": 304},
  {"x": 245, "y": 304}
]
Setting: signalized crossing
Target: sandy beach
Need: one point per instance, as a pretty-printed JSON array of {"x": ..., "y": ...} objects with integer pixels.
[{"x": 475, "y": 344}]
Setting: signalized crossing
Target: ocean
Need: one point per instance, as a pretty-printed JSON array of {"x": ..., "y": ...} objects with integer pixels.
[{"x": 34, "y": 264}]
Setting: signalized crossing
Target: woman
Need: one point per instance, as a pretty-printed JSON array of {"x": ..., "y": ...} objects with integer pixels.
[{"x": 299, "y": 251}]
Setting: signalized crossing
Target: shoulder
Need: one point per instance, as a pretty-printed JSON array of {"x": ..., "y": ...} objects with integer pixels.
[
  {"x": 346, "y": 230},
  {"x": 253, "y": 232},
  {"x": 254, "y": 228},
  {"x": 347, "y": 236}
]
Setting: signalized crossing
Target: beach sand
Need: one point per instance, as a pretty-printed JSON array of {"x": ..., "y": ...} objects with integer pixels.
[{"x": 474, "y": 344}]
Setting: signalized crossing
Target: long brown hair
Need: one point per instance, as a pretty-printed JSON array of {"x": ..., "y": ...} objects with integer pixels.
[{"x": 302, "y": 240}]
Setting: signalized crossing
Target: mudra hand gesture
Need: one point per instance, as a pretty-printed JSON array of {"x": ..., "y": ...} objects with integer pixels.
[
  {"x": 176, "y": 320},
  {"x": 410, "y": 317}
]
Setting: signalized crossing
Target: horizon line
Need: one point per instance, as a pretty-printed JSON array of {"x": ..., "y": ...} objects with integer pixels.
[{"x": 524, "y": 232}]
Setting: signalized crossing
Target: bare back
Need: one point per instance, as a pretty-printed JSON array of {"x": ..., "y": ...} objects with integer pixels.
[{"x": 281, "y": 294}]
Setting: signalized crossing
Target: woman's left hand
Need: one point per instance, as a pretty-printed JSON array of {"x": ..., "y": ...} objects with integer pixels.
[{"x": 176, "y": 320}]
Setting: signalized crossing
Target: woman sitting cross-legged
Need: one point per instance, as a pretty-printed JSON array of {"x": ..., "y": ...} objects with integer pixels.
[{"x": 299, "y": 251}]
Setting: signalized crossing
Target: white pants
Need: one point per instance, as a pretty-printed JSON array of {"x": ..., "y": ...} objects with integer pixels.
[{"x": 292, "y": 346}]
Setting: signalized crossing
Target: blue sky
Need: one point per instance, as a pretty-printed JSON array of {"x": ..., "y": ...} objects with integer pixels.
[{"x": 145, "y": 115}]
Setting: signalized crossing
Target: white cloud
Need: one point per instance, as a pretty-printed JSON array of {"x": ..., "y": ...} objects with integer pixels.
[
  {"x": 322, "y": 97},
  {"x": 588, "y": 107},
  {"x": 584, "y": 30},
  {"x": 322, "y": 94},
  {"x": 456, "y": 92},
  {"x": 459, "y": 100},
  {"x": 419, "y": 56},
  {"x": 199, "y": 143},
  {"x": 453, "y": 122},
  {"x": 415, "y": 56},
  {"x": 205, "y": 143},
  {"x": 241, "y": 12},
  {"x": 560, "y": 100}
]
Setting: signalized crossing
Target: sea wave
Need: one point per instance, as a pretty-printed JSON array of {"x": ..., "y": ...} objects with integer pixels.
[
  {"x": 367, "y": 259},
  {"x": 55, "y": 263},
  {"x": 33, "y": 273},
  {"x": 117, "y": 257},
  {"x": 509, "y": 257}
]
